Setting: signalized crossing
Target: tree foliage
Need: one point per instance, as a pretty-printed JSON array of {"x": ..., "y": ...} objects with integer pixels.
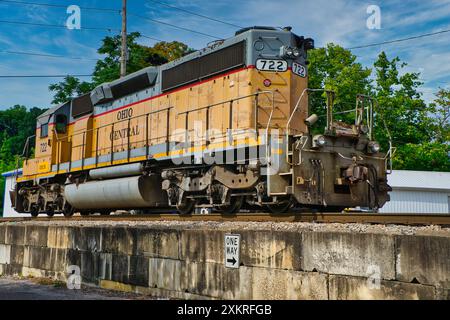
[
  {"x": 440, "y": 110},
  {"x": 335, "y": 68},
  {"x": 16, "y": 125},
  {"x": 420, "y": 132},
  {"x": 68, "y": 89}
]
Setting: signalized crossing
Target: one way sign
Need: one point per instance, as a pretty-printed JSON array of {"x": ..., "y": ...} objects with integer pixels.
[{"x": 232, "y": 250}]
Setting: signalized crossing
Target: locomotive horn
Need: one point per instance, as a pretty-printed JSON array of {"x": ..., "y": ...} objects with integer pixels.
[{"x": 311, "y": 120}]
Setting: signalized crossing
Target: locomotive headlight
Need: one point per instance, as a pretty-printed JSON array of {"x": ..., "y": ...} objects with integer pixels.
[
  {"x": 286, "y": 52},
  {"x": 319, "y": 141},
  {"x": 374, "y": 147},
  {"x": 296, "y": 52},
  {"x": 289, "y": 52}
]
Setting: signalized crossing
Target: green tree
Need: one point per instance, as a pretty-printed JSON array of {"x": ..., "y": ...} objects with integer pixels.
[
  {"x": 427, "y": 156},
  {"x": 108, "y": 68},
  {"x": 401, "y": 107},
  {"x": 335, "y": 68},
  {"x": 407, "y": 117},
  {"x": 171, "y": 50},
  {"x": 440, "y": 109},
  {"x": 69, "y": 88},
  {"x": 16, "y": 125},
  {"x": 139, "y": 56}
]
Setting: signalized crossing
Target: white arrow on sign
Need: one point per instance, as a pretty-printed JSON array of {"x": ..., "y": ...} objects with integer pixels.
[{"x": 232, "y": 250}]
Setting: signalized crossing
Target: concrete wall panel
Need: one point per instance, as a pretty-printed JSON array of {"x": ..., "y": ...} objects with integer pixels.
[
  {"x": 423, "y": 258},
  {"x": 189, "y": 263},
  {"x": 353, "y": 288},
  {"x": 353, "y": 254}
]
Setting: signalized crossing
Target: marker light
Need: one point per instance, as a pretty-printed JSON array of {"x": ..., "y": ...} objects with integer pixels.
[{"x": 374, "y": 146}]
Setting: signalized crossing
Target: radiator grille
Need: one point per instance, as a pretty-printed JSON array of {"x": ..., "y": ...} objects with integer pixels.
[{"x": 204, "y": 67}]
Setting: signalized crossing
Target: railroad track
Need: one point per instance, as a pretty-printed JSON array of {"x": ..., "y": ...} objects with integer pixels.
[{"x": 369, "y": 218}]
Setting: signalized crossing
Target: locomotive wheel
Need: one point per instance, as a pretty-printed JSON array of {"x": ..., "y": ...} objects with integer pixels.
[
  {"x": 68, "y": 210},
  {"x": 234, "y": 207},
  {"x": 186, "y": 208},
  {"x": 34, "y": 210},
  {"x": 50, "y": 211},
  {"x": 281, "y": 207},
  {"x": 105, "y": 213}
]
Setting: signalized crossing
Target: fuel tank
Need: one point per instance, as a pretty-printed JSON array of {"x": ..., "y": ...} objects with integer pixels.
[{"x": 122, "y": 193}]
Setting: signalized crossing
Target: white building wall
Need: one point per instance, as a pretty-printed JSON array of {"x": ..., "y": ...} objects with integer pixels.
[
  {"x": 412, "y": 201},
  {"x": 9, "y": 212}
]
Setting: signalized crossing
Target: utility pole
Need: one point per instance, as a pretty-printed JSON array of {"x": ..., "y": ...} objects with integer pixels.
[{"x": 123, "y": 58}]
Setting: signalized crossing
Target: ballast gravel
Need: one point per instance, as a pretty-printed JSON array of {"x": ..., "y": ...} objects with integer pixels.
[{"x": 236, "y": 226}]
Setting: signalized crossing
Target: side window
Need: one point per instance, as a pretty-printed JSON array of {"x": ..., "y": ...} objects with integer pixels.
[
  {"x": 61, "y": 123},
  {"x": 44, "y": 130}
]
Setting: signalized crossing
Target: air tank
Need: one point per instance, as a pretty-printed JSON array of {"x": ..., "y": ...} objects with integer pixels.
[
  {"x": 127, "y": 170},
  {"x": 122, "y": 193}
]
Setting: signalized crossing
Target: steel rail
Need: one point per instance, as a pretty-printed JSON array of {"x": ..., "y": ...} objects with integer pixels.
[{"x": 367, "y": 218}]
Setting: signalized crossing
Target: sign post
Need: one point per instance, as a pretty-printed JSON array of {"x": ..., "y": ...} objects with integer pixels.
[{"x": 232, "y": 250}]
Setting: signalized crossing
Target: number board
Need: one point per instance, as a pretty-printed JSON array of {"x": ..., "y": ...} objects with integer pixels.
[
  {"x": 298, "y": 69},
  {"x": 271, "y": 65}
]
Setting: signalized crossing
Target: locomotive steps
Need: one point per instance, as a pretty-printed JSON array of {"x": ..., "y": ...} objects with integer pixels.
[{"x": 186, "y": 259}]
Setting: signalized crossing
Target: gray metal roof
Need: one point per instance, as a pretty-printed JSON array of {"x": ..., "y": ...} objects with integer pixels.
[
  {"x": 11, "y": 173},
  {"x": 419, "y": 180},
  {"x": 50, "y": 111}
]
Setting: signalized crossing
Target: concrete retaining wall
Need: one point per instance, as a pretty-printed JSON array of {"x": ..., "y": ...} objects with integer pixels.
[{"x": 187, "y": 263}]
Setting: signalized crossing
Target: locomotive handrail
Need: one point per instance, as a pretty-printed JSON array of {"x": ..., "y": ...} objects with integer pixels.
[
  {"x": 230, "y": 101},
  {"x": 85, "y": 131},
  {"x": 116, "y": 122},
  {"x": 227, "y": 101},
  {"x": 27, "y": 146},
  {"x": 292, "y": 117},
  {"x": 359, "y": 112}
]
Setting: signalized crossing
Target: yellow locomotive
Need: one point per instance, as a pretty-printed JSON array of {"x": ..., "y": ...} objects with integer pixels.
[{"x": 224, "y": 127}]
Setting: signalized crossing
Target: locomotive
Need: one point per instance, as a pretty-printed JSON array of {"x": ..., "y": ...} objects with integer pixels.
[{"x": 223, "y": 128}]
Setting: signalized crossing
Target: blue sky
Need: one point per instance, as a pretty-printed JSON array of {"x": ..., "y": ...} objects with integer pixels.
[{"x": 338, "y": 21}]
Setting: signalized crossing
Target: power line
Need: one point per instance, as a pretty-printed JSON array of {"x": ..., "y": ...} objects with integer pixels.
[
  {"x": 35, "y": 24},
  {"x": 174, "y": 26},
  {"x": 195, "y": 14},
  {"x": 45, "y": 76},
  {"x": 45, "y": 55},
  {"x": 60, "y": 6},
  {"x": 400, "y": 40},
  {"x": 119, "y": 11}
]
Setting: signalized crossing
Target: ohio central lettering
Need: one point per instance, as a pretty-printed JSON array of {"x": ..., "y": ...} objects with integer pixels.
[{"x": 124, "y": 133}]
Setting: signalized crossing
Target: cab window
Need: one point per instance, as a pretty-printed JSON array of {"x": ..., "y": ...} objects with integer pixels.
[
  {"x": 61, "y": 123},
  {"x": 44, "y": 130}
]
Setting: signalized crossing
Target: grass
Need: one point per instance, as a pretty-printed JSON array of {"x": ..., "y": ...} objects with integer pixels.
[{"x": 50, "y": 282}]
